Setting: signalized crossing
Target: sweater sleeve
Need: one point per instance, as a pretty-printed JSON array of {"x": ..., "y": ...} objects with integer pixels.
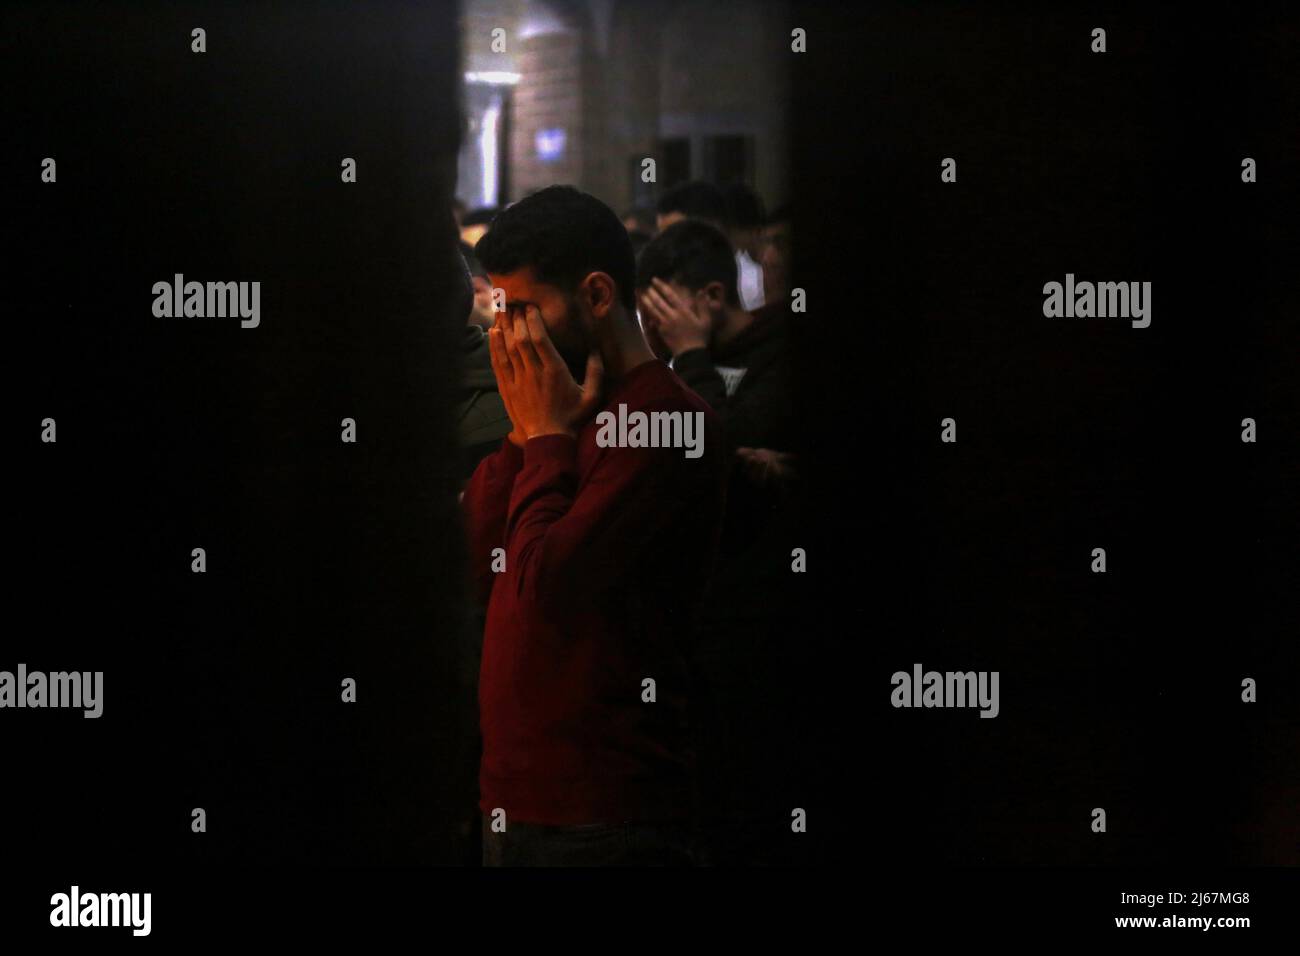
[
  {"x": 560, "y": 539},
  {"x": 485, "y": 504}
]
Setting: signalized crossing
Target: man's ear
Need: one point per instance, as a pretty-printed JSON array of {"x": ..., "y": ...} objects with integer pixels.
[
  {"x": 600, "y": 293},
  {"x": 715, "y": 296}
]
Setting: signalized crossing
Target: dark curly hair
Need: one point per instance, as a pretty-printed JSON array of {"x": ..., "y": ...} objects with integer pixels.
[
  {"x": 693, "y": 253},
  {"x": 564, "y": 234}
]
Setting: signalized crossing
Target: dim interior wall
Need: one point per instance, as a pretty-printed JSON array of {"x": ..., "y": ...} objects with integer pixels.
[
  {"x": 724, "y": 69},
  {"x": 549, "y": 96},
  {"x": 618, "y": 83}
]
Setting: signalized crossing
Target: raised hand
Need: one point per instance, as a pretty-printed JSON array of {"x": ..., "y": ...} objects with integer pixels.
[
  {"x": 539, "y": 392},
  {"x": 681, "y": 324}
]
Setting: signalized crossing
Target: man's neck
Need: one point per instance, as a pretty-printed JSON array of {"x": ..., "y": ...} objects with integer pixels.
[
  {"x": 622, "y": 348},
  {"x": 735, "y": 320}
]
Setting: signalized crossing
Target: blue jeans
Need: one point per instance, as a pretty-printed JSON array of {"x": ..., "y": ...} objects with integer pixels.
[{"x": 599, "y": 844}]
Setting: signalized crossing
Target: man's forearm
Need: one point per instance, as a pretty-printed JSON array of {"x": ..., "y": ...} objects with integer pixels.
[
  {"x": 485, "y": 504},
  {"x": 558, "y": 539},
  {"x": 695, "y": 368}
]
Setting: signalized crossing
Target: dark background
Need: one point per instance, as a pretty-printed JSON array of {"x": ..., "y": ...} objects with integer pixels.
[
  {"x": 1120, "y": 690},
  {"x": 328, "y": 560},
  {"x": 325, "y": 560}
]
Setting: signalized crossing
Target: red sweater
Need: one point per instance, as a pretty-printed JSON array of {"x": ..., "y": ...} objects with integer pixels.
[{"x": 608, "y": 552}]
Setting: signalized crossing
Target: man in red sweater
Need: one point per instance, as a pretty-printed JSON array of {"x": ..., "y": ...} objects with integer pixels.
[{"x": 593, "y": 555}]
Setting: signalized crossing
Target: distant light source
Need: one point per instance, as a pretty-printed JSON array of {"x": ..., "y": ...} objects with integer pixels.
[
  {"x": 494, "y": 77},
  {"x": 550, "y": 144},
  {"x": 488, "y": 152}
]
